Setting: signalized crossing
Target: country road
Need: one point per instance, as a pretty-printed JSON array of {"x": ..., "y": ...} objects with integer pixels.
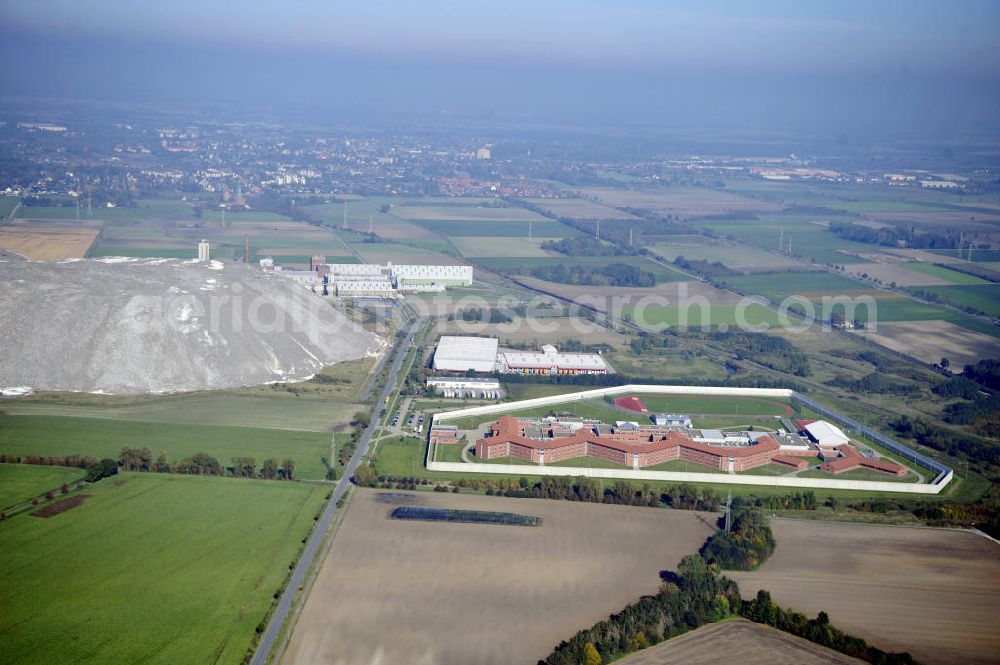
[{"x": 271, "y": 634}]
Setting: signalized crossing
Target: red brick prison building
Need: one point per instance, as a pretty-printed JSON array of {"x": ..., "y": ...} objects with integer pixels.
[
  {"x": 637, "y": 448},
  {"x": 849, "y": 458}
]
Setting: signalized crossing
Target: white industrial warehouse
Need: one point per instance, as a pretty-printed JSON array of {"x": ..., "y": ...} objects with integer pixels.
[
  {"x": 463, "y": 354},
  {"x": 482, "y": 354}
]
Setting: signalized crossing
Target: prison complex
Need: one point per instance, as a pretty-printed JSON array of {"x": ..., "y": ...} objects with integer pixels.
[{"x": 644, "y": 446}]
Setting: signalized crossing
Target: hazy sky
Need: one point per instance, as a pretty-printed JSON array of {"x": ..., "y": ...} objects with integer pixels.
[{"x": 798, "y": 65}]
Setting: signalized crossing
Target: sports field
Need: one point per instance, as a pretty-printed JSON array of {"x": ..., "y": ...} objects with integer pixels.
[
  {"x": 103, "y": 437},
  {"x": 929, "y": 592},
  {"x": 716, "y": 405},
  {"x": 23, "y": 482},
  {"x": 472, "y": 578},
  {"x": 150, "y": 569}
]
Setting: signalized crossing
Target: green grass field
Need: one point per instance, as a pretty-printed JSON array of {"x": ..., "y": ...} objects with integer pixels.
[
  {"x": 497, "y": 246},
  {"x": 982, "y": 297},
  {"x": 778, "y": 285},
  {"x": 22, "y": 482},
  {"x": 730, "y": 315},
  {"x": 808, "y": 240},
  {"x": 709, "y": 404},
  {"x": 506, "y": 229},
  {"x": 150, "y": 569},
  {"x": 7, "y": 204},
  {"x": 103, "y": 437},
  {"x": 978, "y": 255},
  {"x": 524, "y": 265},
  {"x": 146, "y": 209},
  {"x": 941, "y": 272},
  {"x": 279, "y": 410}
]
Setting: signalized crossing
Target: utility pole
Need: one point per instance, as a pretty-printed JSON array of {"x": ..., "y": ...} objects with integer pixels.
[
  {"x": 529, "y": 231},
  {"x": 729, "y": 509},
  {"x": 630, "y": 236},
  {"x": 345, "y": 215},
  {"x": 598, "y": 229},
  {"x": 371, "y": 226},
  {"x": 781, "y": 238}
]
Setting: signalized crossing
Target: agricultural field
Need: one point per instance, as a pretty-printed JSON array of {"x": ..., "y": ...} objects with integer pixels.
[
  {"x": 741, "y": 642},
  {"x": 45, "y": 241},
  {"x": 146, "y": 209},
  {"x": 537, "y": 331},
  {"x": 980, "y": 297},
  {"x": 7, "y": 206},
  {"x": 480, "y": 246},
  {"x": 977, "y": 255},
  {"x": 779, "y": 285},
  {"x": 904, "y": 274},
  {"x": 22, "y": 482},
  {"x": 929, "y": 341},
  {"x": 807, "y": 235},
  {"x": 349, "y": 617},
  {"x": 736, "y": 257},
  {"x": 684, "y": 202},
  {"x": 161, "y": 568},
  {"x": 461, "y": 211},
  {"x": 103, "y": 437},
  {"x": 928, "y": 592},
  {"x": 949, "y": 276},
  {"x": 403, "y": 254},
  {"x": 579, "y": 209},
  {"x": 621, "y": 299},
  {"x": 524, "y": 265},
  {"x": 695, "y": 316}
]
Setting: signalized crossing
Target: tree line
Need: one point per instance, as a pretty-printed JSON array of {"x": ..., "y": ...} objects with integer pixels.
[
  {"x": 697, "y": 594},
  {"x": 612, "y": 274}
]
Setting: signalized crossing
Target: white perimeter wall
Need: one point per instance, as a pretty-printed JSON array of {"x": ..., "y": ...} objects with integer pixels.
[{"x": 669, "y": 476}]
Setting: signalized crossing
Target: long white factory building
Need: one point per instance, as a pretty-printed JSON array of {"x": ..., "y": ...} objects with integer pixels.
[
  {"x": 482, "y": 354},
  {"x": 372, "y": 279}
]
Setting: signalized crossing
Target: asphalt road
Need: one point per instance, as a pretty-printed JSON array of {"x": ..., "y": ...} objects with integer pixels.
[{"x": 270, "y": 636}]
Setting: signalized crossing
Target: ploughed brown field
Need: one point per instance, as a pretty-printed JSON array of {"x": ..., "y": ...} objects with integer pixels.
[
  {"x": 429, "y": 593},
  {"x": 933, "y": 593},
  {"x": 930, "y": 341},
  {"x": 739, "y": 642}
]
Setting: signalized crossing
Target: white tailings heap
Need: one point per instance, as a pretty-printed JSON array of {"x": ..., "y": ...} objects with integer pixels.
[{"x": 123, "y": 325}]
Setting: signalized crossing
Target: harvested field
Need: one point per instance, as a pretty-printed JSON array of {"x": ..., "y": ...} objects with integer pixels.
[
  {"x": 953, "y": 218},
  {"x": 40, "y": 241},
  {"x": 579, "y": 209},
  {"x": 741, "y": 642},
  {"x": 605, "y": 298},
  {"x": 929, "y": 341},
  {"x": 403, "y": 255},
  {"x": 736, "y": 257},
  {"x": 929, "y": 592},
  {"x": 392, "y": 591},
  {"x": 900, "y": 274},
  {"x": 499, "y": 246},
  {"x": 684, "y": 202},
  {"x": 541, "y": 330},
  {"x": 460, "y": 213}
]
